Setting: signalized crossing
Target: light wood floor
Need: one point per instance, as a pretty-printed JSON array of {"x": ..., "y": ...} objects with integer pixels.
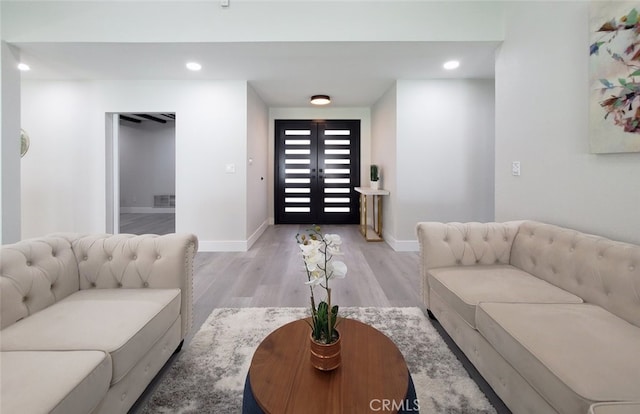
[{"x": 272, "y": 273}]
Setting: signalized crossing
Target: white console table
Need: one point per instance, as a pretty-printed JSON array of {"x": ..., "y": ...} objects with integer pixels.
[{"x": 373, "y": 232}]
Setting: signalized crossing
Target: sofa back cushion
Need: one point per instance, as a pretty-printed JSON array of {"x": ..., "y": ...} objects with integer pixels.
[
  {"x": 599, "y": 270},
  {"x": 465, "y": 244},
  {"x": 35, "y": 274}
]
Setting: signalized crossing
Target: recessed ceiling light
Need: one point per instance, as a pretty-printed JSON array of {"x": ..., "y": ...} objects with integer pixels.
[
  {"x": 23, "y": 67},
  {"x": 320, "y": 99},
  {"x": 452, "y": 64},
  {"x": 194, "y": 66}
]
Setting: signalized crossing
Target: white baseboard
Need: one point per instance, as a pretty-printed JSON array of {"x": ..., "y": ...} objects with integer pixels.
[
  {"x": 256, "y": 234},
  {"x": 147, "y": 210},
  {"x": 232, "y": 245},
  {"x": 222, "y": 246},
  {"x": 401, "y": 245}
]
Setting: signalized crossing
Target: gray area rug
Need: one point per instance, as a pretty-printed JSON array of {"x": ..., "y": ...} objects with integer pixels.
[{"x": 209, "y": 375}]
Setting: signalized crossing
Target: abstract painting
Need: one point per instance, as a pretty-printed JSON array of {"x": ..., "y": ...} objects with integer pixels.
[{"x": 614, "y": 75}]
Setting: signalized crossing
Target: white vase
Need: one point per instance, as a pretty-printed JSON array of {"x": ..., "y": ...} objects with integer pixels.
[{"x": 375, "y": 185}]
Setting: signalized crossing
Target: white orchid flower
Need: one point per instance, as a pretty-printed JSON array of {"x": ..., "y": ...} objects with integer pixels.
[
  {"x": 337, "y": 269},
  {"x": 316, "y": 278},
  {"x": 333, "y": 242},
  {"x": 310, "y": 247}
]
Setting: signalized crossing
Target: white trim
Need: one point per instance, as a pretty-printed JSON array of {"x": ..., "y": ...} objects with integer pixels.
[
  {"x": 401, "y": 245},
  {"x": 232, "y": 245},
  {"x": 256, "y": 234},
  {"x": 147, "y": 210},
  {"x": 222, "y": 246}
]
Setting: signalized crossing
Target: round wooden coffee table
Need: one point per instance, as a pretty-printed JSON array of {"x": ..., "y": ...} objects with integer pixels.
[{"x": 373, "y": 373}]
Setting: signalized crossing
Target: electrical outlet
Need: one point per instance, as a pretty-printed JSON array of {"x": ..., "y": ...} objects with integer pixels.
[
  {"x": 230, "y": 168},
  {"x": 515, "y": 168}
]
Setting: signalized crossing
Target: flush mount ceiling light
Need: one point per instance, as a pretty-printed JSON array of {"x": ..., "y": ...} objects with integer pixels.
[
  {"x": 23, "y": 67},
  {"x": 320, "y": 99},
  {"x": 452, "y": 64},
  {"x": 195, "y": 66}
]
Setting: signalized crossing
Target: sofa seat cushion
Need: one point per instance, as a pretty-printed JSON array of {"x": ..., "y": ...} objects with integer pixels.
[
  {"x": 53, "y": 381},
  {"x": 572, "y": 354},
  {"x": 464, "y": 287},
  {"x": 123, "y": 322}
]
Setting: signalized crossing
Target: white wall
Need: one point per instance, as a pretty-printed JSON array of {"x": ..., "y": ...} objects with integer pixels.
[
  {"x": 542, "y": 121},
  {"x": 384, "y": 154},
  {"x": 67, "y": 170},
  {"x": 363, "y": 114},
  {"x": 445, "y": 154},
  {"x": 63, "y": 173},
  {"x": 257, "y": 161},
  {"x": 147, "y": 164},
  {"x": 9, "y": 145}
]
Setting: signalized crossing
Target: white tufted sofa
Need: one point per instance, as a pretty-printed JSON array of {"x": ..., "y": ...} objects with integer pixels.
[
  {"x": 88, "y": 320},
  {"x": 549, "y": 316}
]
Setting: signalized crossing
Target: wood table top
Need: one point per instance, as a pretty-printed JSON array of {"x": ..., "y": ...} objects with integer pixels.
[{"x": 284, "y": 381}]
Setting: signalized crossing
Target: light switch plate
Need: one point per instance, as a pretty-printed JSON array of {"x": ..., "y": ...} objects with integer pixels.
[{"x": 515, "y": 168}]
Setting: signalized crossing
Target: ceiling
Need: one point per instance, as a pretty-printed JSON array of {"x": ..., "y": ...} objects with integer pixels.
[{"x": 284, "y": 74}]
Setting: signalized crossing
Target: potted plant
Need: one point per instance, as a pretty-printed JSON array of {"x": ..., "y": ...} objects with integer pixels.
[
  {"x": 318, "y": 253},
  {"x": 375, "y": 177}
]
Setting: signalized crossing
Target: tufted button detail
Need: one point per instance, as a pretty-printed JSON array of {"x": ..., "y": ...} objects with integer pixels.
[
  {"x": 158, "y": 257},
  {"x": 497, "y": 261},
  {"x": 572, "y": 249},
  {"x": 28, "y": 262},
  {"x": 145, "y": 284},
  {"x": 54, "y": 253},
  {"x": 600, "y": 255},
  {"x": 485, "y": 238},
  {"x": 632, "y": 268},
  {"x": 52, "y": 286},
  {"x": 24, "y": 299},
  {"x": 119, "y": 284},
  {"x": 458, "y": 261},
  {"x": 551, "y": 240},
  {"x": 477, "y": 261},
  {"x": 134, "y": 257},
  {"x": 93, "y": 284},
  {"x": 123, "y": 396},
  {"x": 110, "y": 258},
  {"x": 85, "y": 258},
  {"x": 446, "y": 240},
  {"x": 464, "y": 238}
]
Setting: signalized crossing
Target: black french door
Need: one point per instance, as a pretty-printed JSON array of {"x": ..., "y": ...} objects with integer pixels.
[{"x": 317, "y": 166}]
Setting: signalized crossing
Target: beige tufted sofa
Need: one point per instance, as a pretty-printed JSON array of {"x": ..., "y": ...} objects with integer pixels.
[
  {"x": 88, "y": 320},
  {"x": 549, "y": 316}
]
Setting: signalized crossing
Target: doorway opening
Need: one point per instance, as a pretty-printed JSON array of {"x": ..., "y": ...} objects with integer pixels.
[
  {"x": 143, "y": 173},
  {"x": 317, "y": 167}
]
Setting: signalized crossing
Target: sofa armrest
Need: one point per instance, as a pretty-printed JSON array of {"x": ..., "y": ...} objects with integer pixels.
[
  {"x": 463, "y": 244},
  {"x": 136, "y": 262}
]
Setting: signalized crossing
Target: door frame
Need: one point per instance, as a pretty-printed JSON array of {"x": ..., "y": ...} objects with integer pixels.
[{"x": 112, "y": 168}]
